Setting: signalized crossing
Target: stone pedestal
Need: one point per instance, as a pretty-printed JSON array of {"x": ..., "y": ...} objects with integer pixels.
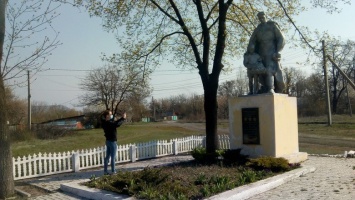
[{"x": 265, "y": 125}]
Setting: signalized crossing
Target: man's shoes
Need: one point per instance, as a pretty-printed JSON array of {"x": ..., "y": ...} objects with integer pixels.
[{"x": 106, "y": 173}]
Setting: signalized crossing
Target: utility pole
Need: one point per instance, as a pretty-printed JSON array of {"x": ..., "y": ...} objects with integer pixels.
[
  {"x": 153, "y": 108},
  {"x": 326, "y": 84},
  {"x": 29, "y": 101}
]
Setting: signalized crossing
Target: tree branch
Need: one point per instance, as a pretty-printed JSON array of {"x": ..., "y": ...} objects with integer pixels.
[
  {"x": 163, "y": 11},
  {"x": 297, "y": 29}
]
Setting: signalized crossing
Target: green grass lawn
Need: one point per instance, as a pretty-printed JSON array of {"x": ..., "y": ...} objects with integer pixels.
[
  {"x": 85, "y": 139},
  {"x": 314, "y": 136}
]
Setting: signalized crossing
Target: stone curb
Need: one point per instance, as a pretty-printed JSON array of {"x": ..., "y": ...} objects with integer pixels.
[
  {"x": 242, "y": 192},
  {"x": 91, "y": 193},
  {"x": 252, "y": 189},
  {"x": 22, "y": 193}
]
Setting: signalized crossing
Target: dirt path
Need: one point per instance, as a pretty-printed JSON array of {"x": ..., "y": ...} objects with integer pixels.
[
  {"x": 335, "y": 143},
  {"x": 198, "y": 127}
]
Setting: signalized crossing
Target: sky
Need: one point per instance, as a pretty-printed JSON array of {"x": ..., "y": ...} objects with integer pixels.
[{"x": 84, "y": 40}]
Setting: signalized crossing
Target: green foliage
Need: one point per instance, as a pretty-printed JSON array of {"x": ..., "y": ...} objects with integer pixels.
[
  {"x": 92, "y": 138},
  {"x": 42, "y": 132},
  {"x": 247, "y": 176},
  {"x": 201, "y": 179},
  {"x": 46, "y": 132},
  {"x": 181, "y": 181},
  {"x": 21, "y": 135},
  {"x": 250, "y": 176},
  {"x": 199, "y": 154},
  {"x": 269, "y": 163},
  {"x": 234, "y": 157},
  {"x": 150, "y": 183}
]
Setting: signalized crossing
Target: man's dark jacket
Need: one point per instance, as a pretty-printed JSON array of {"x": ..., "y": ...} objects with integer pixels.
[{"x": 110, "y": 128}]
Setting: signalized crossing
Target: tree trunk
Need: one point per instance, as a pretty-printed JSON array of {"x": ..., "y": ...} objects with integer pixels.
[
  {"x": 210, "y": 84},
  {"x": 6, "y": 173},
  {"x": 335, "y": 90},
  {"x": 335, "y": 104},
  {"x": 211, "y": 107}
]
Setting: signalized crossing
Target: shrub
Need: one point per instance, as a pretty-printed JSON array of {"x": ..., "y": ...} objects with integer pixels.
[
  {"x": 20, "y": 135},
  {"x": 180, "y": 181},
  {"x": 247, "y": 176},
  {"x": 45, "y": 132},
  {"x": 269, "y": 163},
  {"x": 234, "y": 157},
  {"x": 201, "y": 156}
]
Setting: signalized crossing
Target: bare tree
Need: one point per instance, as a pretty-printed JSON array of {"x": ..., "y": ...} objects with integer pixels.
[
  {"x": 185, "y": 107},
  {"x": 294, "y": 82},
  {"x": 111, "y": 85},
  {"x": 42, "y": 112},
  {"x": 26, "y": 47},
  {"x": 225, "y": 91},
  {"x": 136, "y": 102},
  {"x": 17, "y": 108},
  {"x": 6, "y": 173},
  {"x": 342, "y": 53},
  {"x": 313, "y": 101},
  {"x": 25, "y": 20}
]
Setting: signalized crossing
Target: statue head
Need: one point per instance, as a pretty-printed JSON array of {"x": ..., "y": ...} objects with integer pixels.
[{"x": 261, "y": 17}]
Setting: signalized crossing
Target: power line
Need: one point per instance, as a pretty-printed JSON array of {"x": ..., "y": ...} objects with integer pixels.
[
  {"x": 79, "y": 70},
  {"x": 73, "y": 70},
  {"x": 190, "y": 85}
]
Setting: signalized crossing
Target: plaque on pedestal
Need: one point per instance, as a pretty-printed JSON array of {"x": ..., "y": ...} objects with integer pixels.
[{"x": 250, "y": 118}]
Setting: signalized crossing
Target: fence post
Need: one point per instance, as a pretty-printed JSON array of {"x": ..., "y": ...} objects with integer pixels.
[
  {"x": 132, "y": 152},
  {"x": 76, "y": 162},
  {"x": 175, "y": 148},
  {"x": 156, "y": 148},
  {"x": 204, "y": 142}
]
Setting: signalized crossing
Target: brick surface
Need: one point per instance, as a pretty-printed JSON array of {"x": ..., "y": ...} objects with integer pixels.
[{"x": 334, "y": 178}]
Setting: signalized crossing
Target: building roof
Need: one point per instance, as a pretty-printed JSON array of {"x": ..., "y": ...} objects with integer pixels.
[{"x": 61, "y": 119}]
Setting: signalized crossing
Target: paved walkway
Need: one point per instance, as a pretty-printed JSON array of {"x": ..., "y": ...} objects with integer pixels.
[{"x": 334, "y": 178}]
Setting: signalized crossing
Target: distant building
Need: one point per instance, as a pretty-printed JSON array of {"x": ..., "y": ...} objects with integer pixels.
[
  {"x": 170, "y": 116},
  {"x": 146, "y": 119},
  {"x": 166, "y": 116},
  {"x": 74, "y": 122}
]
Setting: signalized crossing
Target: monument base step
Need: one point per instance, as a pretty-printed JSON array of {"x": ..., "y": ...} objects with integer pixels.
[{"x": 296, "y": 157}]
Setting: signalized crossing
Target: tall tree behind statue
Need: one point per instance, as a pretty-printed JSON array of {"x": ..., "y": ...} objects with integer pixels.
[{"x": 201, "y": 35}]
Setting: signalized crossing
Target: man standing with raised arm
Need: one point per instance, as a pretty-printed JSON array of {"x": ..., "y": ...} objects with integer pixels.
[{"x": 110, "y": 125}]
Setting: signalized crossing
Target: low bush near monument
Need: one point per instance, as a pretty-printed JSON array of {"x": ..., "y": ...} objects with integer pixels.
[
  {"x": 234, "y": 157},
  {"x": 189, "y": 180},
  {"x": 199, "y": 154},
  {"x": 196, "y": 179},
  {"x": 228, "y": 157},
  {"x": 269, "y": 163}
]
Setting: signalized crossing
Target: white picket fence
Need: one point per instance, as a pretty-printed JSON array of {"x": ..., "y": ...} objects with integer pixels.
[{"x": 74, "y": 161}]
